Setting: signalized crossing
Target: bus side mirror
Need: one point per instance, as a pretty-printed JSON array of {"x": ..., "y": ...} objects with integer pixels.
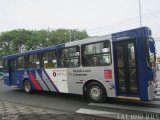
[{"x": 152, "y": 45}]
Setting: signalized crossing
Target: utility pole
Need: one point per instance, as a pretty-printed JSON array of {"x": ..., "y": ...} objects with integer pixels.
[{"x": 140, "y": 16}]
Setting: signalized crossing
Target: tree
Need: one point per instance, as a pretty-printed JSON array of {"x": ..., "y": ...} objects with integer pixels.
[{"x": 60, "y": 36}]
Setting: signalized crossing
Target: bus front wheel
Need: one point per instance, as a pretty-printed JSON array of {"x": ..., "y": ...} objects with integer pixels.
[
  {"x": 96, "y": 92},
  {"x": 27, "y": 87}
]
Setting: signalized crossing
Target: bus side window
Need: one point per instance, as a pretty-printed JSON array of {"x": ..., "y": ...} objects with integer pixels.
[
  {"x": 34, "y": 61},
  {"x": 21, "y": 63},
  {"x": 49, "y": 59},
  {"x": 13, "y": 65},
  {"x": 61, "y": 58},
  {"x": 5, "y": 65},
  {"x": 69, "y": 57},
  {"x": 74, "y": 57},
  {"x": 96, "y": 54}
]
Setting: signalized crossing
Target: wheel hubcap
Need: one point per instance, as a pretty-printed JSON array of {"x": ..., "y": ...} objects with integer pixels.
[{"x": 95, "y": 93}]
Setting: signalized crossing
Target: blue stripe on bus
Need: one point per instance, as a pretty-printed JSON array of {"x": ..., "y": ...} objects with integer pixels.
[
  {"x": 44, "y": 82},
  {"x": 51, "y": 81}
]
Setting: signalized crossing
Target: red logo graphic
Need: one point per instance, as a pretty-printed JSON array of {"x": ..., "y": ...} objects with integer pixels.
[{"x": 54, "y": 74}]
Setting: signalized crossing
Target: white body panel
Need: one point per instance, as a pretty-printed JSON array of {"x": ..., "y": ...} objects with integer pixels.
[
  {"x": 59, "y": 78},
  {"x": 72, "y": 80}
]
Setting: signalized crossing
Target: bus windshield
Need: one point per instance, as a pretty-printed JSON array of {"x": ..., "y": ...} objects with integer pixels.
[{"x": 151, "y": 57}]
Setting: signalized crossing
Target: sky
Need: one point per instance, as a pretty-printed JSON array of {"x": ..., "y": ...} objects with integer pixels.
[{"x": 97, "y": 17}]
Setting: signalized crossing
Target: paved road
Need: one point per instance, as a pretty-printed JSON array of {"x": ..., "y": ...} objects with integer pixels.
[
  {"x": 124, "y": 109},
  {"x": 75, "y": 104},
  {"x": 12, "y": 111},
  {"x": 51, "y": 100}
]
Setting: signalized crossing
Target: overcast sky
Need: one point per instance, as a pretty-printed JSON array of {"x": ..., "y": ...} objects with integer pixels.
[{"x": 98, "y": 17}]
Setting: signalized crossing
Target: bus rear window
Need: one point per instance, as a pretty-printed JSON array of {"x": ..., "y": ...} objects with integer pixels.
[{"x": 96, "y": 54}]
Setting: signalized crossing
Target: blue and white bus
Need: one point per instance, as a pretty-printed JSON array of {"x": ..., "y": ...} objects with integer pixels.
[{"x": 119, "y": 65}]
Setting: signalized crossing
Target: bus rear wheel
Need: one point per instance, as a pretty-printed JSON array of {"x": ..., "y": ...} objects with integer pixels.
[
  {"x": 96, "y": 92},
  {"x": 27, "y": 87}
]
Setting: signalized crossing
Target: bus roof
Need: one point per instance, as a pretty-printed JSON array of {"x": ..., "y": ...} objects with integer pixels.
[
  {"x": 12, "y": 56},
  {"x": 142, "y": 31}
]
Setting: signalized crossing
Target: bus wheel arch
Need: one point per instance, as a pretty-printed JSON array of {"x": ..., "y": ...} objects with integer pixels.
[
  {"x": 27, "y": 86},
  {"x": 95, "y": 91}
]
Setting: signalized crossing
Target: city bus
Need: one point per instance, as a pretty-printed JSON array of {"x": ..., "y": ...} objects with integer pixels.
[{"x": 119, "y": 65}]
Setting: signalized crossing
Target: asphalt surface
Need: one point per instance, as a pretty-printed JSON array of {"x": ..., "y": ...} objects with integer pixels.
[
  {"x": 65, "y": 102},
  {"x": 16, "y": 105},
  {"x": 12, "y": 111}
]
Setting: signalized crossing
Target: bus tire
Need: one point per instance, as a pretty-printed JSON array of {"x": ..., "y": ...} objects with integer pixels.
[
  {"x": 96, "y": 92},
  {"x": 27, "y": 87}
]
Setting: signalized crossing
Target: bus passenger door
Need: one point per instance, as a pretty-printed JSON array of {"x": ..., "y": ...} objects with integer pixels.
[{"x": 126, "y": 69}]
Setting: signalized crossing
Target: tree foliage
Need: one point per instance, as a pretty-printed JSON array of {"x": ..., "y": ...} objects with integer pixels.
[{"x": 13, "y": 41}]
